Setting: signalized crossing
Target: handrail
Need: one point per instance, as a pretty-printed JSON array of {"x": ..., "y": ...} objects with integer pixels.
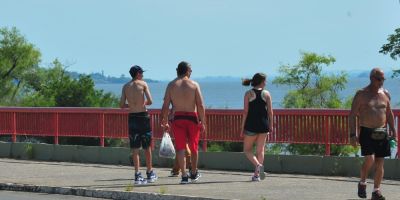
[{"x": 301, "y": 126}]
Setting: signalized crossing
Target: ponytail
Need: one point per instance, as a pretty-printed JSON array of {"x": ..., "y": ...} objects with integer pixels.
[
  {"x": 256, "y": 80},
  {"x": 246, "y": 81}
]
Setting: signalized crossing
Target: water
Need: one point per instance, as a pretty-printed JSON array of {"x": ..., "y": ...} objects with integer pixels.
[{"x": 229, "y": 95}]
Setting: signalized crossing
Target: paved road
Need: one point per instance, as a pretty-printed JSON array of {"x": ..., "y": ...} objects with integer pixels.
[
  {"x": 213, "y": 184},
  {"x": 9, "y": 195}
]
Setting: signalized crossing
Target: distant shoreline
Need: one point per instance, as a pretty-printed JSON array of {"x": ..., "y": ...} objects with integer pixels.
[{"x": 101, "y": 78}]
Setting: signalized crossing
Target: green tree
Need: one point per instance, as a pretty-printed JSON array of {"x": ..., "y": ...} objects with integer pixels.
[
  {"x": 19, "y": 59},
  {"x": 55, "y": 87},
  {"x": 393, "y": 48},
  {"x": 312, "y": 89}
]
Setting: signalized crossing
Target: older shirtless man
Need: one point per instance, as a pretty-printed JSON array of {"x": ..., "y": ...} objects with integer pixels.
[
  {"x": 140, "y": 135},
  {"x": 372, "y": 107},
  {"x": 189, "y": 117}
]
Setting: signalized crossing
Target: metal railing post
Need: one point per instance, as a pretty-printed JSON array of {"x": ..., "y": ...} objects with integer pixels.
[
  {"x": 398, "y": 140},
  {"x": 14, "y": 133},
  {"x": 57, "y": 129},
  {"x": 102, "y": 131},
  {"x": 327, "y": 136}
]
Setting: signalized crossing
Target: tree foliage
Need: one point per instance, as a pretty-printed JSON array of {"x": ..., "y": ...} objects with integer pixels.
[
  {"x": 312, "y": 89},
  {"x": 19, "y": 59},
  {"x": 393, "y": 48},
  {"x": 55, "y": 87},
  {"x": 24, "y": 83}
]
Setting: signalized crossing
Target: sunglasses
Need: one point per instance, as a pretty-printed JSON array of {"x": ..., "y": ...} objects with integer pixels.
[{"x": 379, "y": 78}]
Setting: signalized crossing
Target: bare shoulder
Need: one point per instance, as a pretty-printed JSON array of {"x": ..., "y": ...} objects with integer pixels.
[
  {"x": 386, "y": 92},
  {"x": 361, "y": 92},
  {"x": 249, "y": 92},
  {"x": 194, "y": 83},
  {"x": 171, "y": 83},
  {"x": 141, "y": 82},
  {"x": 126, "y": 85},
  {"x": 266, "y": 93},
  {"x": 144, "y": 83}
]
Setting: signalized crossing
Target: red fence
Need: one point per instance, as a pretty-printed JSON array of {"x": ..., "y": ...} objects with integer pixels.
[{"x": 302, "y": 126}]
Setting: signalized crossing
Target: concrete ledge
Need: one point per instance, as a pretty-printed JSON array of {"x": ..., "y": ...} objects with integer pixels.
[
  {"x": 43, "y": 151},
  {"x": 5, "y": 149},
  {"x": 117, "y": 156},
  {"x": 95, "y": 193},
  {"x": 21, "y": 150},
  {"x": 65, "y": 153},
  {"x": 313, "y": 165},
  {"x": 301, "y": 164},
  {"x": 224, "y": 160}
]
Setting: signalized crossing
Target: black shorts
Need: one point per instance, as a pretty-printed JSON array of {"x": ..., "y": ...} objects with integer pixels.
[
  {"x": 140, "y": 134},
  {"x": 369, "y": 146}
]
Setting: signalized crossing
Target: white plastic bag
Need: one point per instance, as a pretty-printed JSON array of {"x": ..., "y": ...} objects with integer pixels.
[{"x": 167, "y": 149}]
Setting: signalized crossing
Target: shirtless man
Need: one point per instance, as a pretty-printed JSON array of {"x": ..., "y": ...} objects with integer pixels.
[
  {"x": 140, "y": 135},
  {"x": 189, "y": 118},
  {"x": 372, "y": 107}
]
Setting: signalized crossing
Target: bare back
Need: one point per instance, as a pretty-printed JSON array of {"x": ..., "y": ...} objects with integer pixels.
[
  {"x": 184, "y": 95},
  {"x": 134, "y": 93}
]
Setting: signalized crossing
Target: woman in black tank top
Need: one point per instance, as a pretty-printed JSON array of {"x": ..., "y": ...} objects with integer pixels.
[{"x": 257, "y": 122}]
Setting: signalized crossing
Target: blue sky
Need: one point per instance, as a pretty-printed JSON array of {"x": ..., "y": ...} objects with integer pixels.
[{"x": 218, "y": 37}]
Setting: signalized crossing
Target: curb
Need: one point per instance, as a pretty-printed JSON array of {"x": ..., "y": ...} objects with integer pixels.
[{"x": 95, "y": 193}]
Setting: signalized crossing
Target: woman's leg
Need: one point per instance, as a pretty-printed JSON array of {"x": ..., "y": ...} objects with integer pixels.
[
  {"x": 248, "y": 142},
  {"x": 260, "y": 147}
]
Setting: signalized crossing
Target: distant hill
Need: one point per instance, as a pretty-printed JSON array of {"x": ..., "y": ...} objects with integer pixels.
[
  {"x": 365, "y": 73},
  {"x": 217, "y": 79},
  {"x": 100, "y": 78}
]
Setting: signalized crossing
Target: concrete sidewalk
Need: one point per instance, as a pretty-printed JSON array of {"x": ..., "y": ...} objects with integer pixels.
[{"x": 111, "y": 181}]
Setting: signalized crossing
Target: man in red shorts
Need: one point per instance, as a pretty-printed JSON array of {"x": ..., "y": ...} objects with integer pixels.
[{"x": 189, "y": 118}]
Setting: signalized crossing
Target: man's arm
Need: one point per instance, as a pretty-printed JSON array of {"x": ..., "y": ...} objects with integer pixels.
[
  {"x": 122, "y": 101},
  {"x": 148, "y": 101},
  {"x": 200, "y": 106},
  {"x": 390, "y": 120},
  {"x": 165, "y": 107},
  {"x": 354, "y": 112},
  {"x": 389, "y": 116}
]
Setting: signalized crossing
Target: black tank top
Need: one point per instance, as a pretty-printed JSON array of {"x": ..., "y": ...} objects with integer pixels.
[{"x": 257, "y": 115}]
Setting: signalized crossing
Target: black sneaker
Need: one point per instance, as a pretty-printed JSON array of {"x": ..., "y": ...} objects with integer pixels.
[
  {"x": 377, "y": 195},
  {"x": 174, "y": 173},
  {"x": 195, "y": 176},
  {"x": 185, "y": 179},
  {"x": 362, "y": 190},
  {"x": 151, "y": 176},
  {"x": 139, "y": 179}
]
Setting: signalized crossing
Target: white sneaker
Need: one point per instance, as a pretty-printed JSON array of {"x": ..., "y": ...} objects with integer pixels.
[
  {"x": 139, "y": 179},
  {"x": 255, "y": 178},
  {"x": 260, "y": 171}
]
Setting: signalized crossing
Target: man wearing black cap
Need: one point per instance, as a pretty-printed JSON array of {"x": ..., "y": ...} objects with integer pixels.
[{"x": 135, "y": 97}]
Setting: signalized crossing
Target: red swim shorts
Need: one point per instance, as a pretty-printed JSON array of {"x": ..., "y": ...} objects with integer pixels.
[{"x": 186, "y": 129}]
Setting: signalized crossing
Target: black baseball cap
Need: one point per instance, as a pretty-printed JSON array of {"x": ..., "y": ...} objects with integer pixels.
[{"x": 135, "y": 69}]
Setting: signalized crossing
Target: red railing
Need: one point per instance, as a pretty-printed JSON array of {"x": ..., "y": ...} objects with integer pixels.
[{"x": 302, "y": 126}]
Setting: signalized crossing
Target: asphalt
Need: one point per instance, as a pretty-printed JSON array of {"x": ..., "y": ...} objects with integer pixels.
[{"x": 116, "y": 182}]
